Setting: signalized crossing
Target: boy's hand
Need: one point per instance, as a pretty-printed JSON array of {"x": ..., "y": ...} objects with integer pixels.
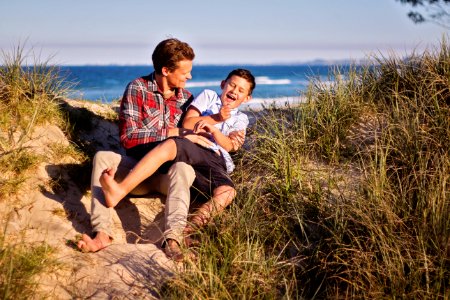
[
  {"x": 237, "y": 139},
  {"x": 225, "y": 112},
  {"x": 202, "y": 126}
]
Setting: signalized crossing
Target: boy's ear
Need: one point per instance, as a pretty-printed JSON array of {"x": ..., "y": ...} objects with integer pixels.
[
  {"x": 248, "y": 98},
  {"x": 222, "y": 84}
]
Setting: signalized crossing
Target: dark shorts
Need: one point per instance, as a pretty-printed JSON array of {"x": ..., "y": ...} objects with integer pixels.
[
  {"x": 210, "y": 168},
  {"x": 139, "y": 151}
]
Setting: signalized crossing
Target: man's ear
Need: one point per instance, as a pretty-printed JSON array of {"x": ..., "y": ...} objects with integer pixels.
[{"x": 165, "y": 71}]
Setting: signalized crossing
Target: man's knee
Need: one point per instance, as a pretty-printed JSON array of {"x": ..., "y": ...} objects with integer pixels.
[
  {"x": 182, "y": 171},
  {"x": 104, "y": 158}
]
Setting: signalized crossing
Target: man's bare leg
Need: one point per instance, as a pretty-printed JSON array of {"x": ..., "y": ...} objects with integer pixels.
[
  {"x": 87, "y": 244},
  {"x": 115, "y": 191}
]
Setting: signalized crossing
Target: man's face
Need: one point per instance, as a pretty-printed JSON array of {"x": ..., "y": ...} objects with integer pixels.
[
  {"x": 235, "y": 91},
  {"x": 178, "y": 77}
]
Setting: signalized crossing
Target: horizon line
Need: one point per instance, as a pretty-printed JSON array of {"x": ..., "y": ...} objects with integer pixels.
[{"x": 324, "y": 62}]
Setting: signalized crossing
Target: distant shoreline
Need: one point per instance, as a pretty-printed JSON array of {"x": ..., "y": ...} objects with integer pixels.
[{"x": 257, "y": 104}]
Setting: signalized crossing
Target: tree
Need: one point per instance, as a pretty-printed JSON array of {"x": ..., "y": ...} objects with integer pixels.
[{"x": 435, "y": 11}]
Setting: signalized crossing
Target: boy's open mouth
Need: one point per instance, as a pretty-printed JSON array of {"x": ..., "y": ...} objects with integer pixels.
[{"x": 231, "y": 97}]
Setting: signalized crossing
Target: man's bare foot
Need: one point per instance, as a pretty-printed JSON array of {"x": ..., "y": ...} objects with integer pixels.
[
  {"x": 113, "y": 193},
  {"x": 101, "y": 241}
]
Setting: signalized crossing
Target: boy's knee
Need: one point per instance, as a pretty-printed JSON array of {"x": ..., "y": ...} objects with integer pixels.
[
  {"x": 226, "y": 189},
  {"x": 224, "y": 195}
]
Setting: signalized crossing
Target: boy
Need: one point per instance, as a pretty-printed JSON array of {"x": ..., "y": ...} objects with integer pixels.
[{"x": 211, "y": 115}]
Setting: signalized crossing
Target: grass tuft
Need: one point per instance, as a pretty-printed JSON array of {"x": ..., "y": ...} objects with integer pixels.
[
  {"x": 19, "y": 266},
  {"x": 29, "y": 96}
]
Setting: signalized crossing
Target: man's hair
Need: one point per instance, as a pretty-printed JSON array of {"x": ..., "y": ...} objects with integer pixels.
[
  {"x": 169, "y": 52},
  {"x": 247, "y": 75}
]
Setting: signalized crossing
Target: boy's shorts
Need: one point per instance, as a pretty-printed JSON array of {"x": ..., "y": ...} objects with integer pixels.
[{"x": 210, "y": 168}]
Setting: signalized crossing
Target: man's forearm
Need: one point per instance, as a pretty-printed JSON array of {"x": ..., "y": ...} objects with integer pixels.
[{"x": 178, "y": 132}]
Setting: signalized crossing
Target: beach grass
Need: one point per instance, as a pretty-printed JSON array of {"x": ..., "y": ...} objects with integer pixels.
[
  {"x": 345, "y": 196},
  {"x": 29, "y": 97},
  {"x": 20, "y": 263}
]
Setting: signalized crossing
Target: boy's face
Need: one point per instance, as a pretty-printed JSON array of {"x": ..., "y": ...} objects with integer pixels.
[
  {"x": 235, "y": 91},
  {"x": 178, "y": 77}
]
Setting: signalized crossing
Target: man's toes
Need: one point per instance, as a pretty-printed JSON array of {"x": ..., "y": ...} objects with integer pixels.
[{"x": 82, "y": 246}]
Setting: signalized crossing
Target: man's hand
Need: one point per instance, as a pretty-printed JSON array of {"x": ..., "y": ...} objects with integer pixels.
[
  {"x": 237, "y": 139},
  {"x": 199, "y": 139},
  {"x": 225, "y": 112}
]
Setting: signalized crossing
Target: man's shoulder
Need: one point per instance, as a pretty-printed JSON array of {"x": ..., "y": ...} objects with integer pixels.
[{"x": 143, "y": 81}]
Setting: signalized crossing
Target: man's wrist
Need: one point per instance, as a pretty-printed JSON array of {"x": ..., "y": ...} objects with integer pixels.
[{"x": 183, "y": 132}]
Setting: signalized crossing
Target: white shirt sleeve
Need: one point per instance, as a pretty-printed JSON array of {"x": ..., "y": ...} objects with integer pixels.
[{"x": 203, "y": 102}]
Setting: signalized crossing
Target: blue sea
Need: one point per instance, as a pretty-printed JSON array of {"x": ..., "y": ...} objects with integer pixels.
[{"x": 274, "y": 83}]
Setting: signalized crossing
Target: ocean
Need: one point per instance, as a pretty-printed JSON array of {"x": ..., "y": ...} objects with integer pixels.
[{"x": 274, "y": 83}]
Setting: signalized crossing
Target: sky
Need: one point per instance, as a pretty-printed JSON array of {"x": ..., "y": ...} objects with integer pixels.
[{"x": 117, "y": 32}]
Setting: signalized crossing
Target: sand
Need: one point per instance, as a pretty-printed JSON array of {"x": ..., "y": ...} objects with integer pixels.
[{"x": 53, "y": 207}]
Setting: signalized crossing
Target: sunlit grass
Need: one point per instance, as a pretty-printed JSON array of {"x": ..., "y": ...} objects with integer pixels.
[
  {"x": 345, "y": 196},
  {"x": 19, "y": 264},
  {"x": 29, "y": 97}
]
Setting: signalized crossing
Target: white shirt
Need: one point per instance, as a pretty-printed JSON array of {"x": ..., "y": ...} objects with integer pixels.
[{"x": 208, "y": 103}]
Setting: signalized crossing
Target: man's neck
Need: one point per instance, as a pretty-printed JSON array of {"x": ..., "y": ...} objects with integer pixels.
[{"x": 161, "y": 81}]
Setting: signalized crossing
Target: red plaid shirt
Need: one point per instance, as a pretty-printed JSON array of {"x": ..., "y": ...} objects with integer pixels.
[{"x": 144, "y": 114}]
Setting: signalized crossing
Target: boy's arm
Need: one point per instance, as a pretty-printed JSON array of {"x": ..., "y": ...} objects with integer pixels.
[
  {"x": 229, "y": 143},
  {"x": 193, "y": 116},
  {"x": 221, "y": 139}
]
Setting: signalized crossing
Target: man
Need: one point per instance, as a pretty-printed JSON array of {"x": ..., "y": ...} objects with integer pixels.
[{"x": 150, "y": 111}]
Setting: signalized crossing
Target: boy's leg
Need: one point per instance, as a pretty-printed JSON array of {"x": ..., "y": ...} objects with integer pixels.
[
  {"x": 101, "y": 218},
  {"x": 115, "y": 191},
  {"x": 222, "y": 197}
]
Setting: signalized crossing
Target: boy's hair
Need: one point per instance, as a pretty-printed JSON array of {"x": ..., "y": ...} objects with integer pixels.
[
  {"x": 169, "y": 52},
  {"x": 247, "y": 75}
]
